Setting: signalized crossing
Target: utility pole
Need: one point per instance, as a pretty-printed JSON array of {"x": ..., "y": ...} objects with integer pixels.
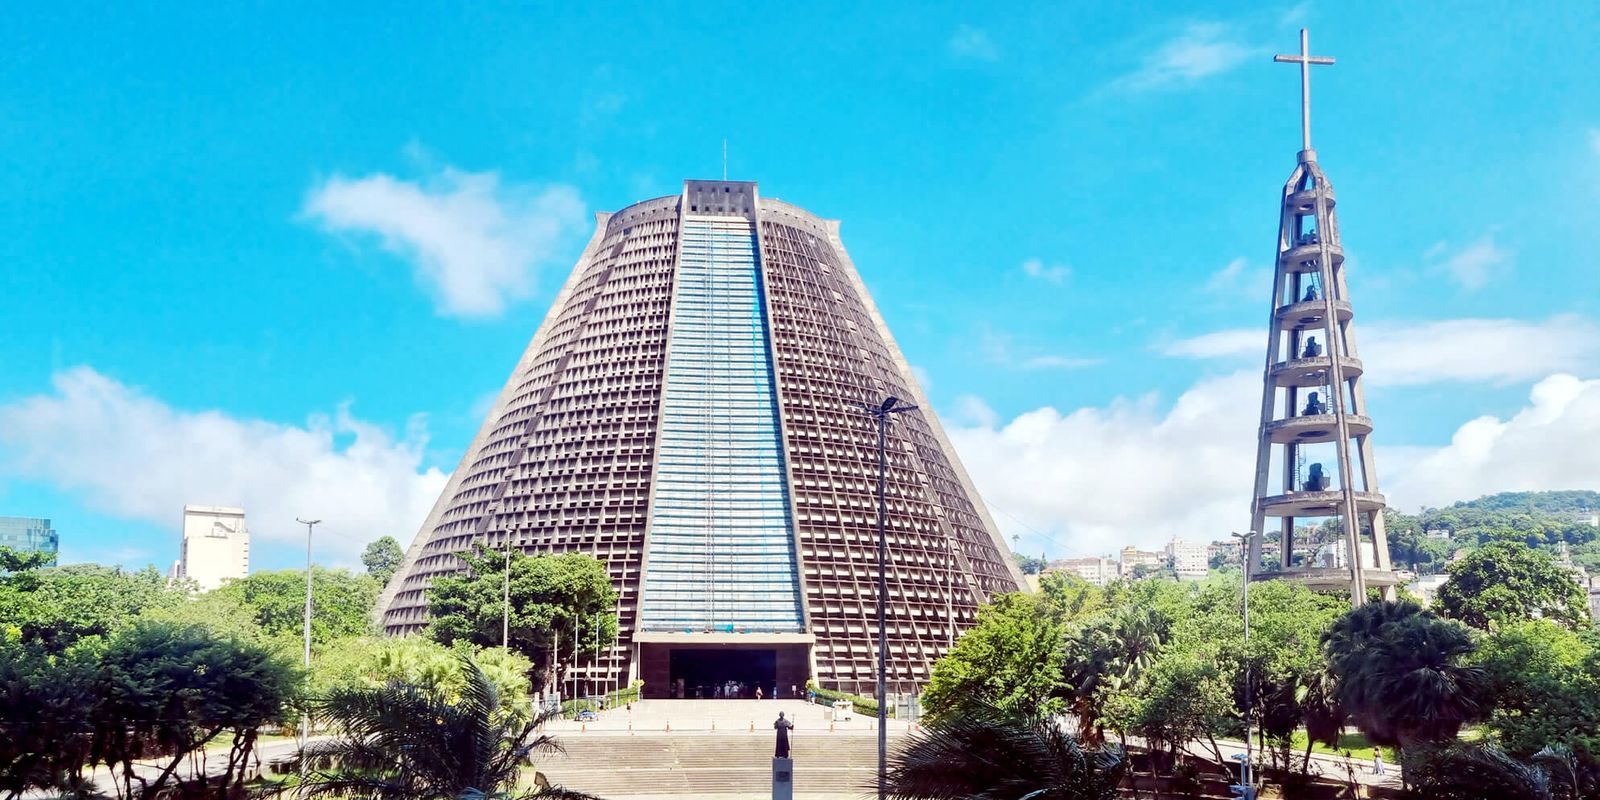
[
  {"x": 881, "y": 413},
  {"x": 505, "y": 611},
  {"x": 1245, "y": 769},
  {"x": 305, "y": 719}
]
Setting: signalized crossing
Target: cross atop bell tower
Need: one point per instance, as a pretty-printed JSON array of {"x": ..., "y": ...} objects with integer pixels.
[{"x": 1305, "y": 60}]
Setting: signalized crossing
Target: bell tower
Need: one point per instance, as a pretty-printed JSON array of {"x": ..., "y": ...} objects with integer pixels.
[{"x": 1314, "y": 462}]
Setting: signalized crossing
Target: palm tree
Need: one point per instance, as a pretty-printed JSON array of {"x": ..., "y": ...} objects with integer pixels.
[
  {"x": 983, "y": 753},
  {"x": 1465, "y": 772},
  {"x": 405, "y": 742},
  {"x": 1401, "y": 673},
  {"x": 1105, "y": 654}
]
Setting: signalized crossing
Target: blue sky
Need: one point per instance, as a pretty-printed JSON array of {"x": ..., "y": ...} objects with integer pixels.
[{"x": 283, "y": 256}]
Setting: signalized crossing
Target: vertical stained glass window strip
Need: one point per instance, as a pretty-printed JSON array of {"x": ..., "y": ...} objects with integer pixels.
[{"x": 721, "y": 543}]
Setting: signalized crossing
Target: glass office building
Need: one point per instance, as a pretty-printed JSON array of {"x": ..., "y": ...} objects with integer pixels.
[
  {"x": 690, "y": 412},
  {"x": 29, "y": 535}
]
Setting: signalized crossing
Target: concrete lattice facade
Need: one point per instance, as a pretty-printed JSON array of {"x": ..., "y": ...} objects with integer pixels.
[{"x": 690, "y": 413}]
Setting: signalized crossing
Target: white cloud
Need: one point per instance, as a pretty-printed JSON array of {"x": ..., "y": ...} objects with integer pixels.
[
  {"x": 131, "y": 456},
  {"x": 1001, "y": 349},
  {"x": 1057, "y": 362},
  {"x": 924, "y": 379},
  {"x": 1218, "y": 344},
  {"x": 1548, "y": 444},
  {"x": 1095, "y": 479},
  {"x": 1201, "y": 51},
  {"x": 1238, "y": 279},
  {"x": 1098, "y": 478},
  {"x": 1295, "y": 15},
  {"x": 474, "y": 243},
  {"x": 1495, "y": 351},
  {"x": 1051, "y": 273},
  {"x": 972, "y": 410},
  {"x": 1472, "y": 266},
  {"x": 1498, "y": 351},
  {"x": 973, "y": 43}
]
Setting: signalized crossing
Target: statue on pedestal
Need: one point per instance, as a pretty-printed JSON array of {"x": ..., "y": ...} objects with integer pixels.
[{"x": 783, "y": 727}]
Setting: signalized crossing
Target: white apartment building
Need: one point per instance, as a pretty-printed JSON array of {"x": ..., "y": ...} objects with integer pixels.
[
  {"x": 1426, "y": 588},
  {"x": 1191, "y": 560},
  {"x": 1096, "y": 570},
  {"x": 216, "y": 546}
]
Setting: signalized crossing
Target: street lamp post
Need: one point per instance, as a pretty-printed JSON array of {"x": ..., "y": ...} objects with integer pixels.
[
  {"x": 881, "y": 413},
  {"x": 505, "y": 600},
  {"x": 305, "y": 719},
  {"x": 1244, "y": 548}
]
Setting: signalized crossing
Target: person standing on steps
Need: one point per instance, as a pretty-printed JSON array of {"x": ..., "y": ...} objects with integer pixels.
[{"x": 758, "y": 692}]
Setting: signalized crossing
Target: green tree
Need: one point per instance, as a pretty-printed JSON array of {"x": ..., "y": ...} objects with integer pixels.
[
  {"x": 46, "y": 702},
  {"x": 1403, "y": 674},
  {"x": 1185, "y": 696},
  {"x": 223, "y": 613},
  {"x": 1030, "y": 565},
  {"x": 994, "y": 754},
  {"x": 401, "y": 741},
  {"x": 1474, "y": 772},
  {"x": 1011, "y": 660},
  {"x": 382, "y": 557},
  {"x": 1545, "y": 681},
  {"x": 58, "y": 607},
  {"x": 341, "y": 602},
  {"x": 1506, "y": 582},
  {"x": 551, "y": 598},
  {"x": 1105, "y": 653},
  {"x": 417, "y": 661},
  {"x": 180, "y": 688},
  {"x": 23, "y": 561}
]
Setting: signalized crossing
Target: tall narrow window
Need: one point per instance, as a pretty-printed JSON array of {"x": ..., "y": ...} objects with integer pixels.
[{"x": 721, "y": 553}]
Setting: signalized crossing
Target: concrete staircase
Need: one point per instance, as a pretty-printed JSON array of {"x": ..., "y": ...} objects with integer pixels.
[{"x": 703, "y": 764}]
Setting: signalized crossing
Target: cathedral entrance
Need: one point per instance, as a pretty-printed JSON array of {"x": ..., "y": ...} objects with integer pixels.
[
  {"x": 731, "y": 673},
  {"x": 718, "y": 671}
]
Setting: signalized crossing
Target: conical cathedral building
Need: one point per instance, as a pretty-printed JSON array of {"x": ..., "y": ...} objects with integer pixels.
[{"x": 690, "y": 412}]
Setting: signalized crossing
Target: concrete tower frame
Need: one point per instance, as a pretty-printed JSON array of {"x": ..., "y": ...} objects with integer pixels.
[{"x": 1310, "y": 297}]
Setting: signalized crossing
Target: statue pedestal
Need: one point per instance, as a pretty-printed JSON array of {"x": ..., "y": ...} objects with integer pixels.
[{"x": 782, "y": 779}]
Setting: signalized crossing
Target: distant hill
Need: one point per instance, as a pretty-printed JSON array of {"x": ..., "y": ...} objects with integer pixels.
[
  {"x": 1561, "y": 502},
  {"x": 1553, "y": 521}
]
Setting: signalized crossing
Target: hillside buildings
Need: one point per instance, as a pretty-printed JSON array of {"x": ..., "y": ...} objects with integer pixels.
[
  {"x": 693, "y": 411},
  {"x": 216, "y": 546},
  {"x": 1130, "y": 559},
  {"x": 30, "y": 535}
]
